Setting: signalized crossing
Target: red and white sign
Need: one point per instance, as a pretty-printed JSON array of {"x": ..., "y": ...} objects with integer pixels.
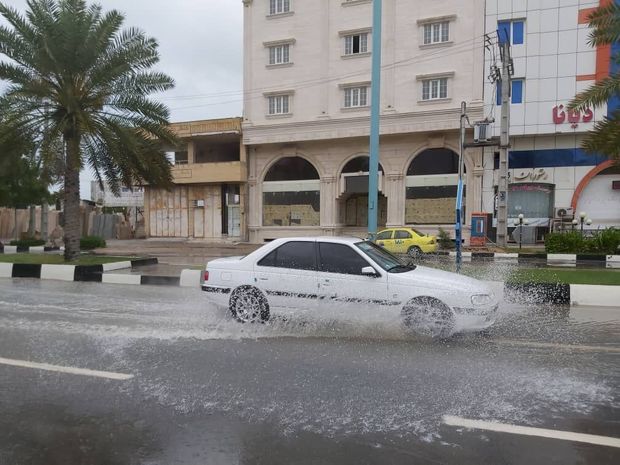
[{"x": 573, "y": 117}]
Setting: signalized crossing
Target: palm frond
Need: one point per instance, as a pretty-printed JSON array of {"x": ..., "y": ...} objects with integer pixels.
[
  {"x": 605, "y": 25},
  {"x": 598, "y": 94}
]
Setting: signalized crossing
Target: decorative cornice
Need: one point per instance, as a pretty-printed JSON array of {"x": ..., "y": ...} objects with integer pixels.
[{"x": 358, "y": 126}]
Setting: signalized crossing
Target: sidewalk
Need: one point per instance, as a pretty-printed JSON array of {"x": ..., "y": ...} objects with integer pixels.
[{"x": 189, "y": 253}]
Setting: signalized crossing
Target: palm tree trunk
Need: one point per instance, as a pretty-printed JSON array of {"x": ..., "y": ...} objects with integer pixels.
[
  {"x": 72, "y": 199},
  {"x": 32, "y": 221}
]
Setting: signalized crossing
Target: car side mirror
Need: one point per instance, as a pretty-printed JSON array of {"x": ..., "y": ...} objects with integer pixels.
[{"x": 369, "y": 271}]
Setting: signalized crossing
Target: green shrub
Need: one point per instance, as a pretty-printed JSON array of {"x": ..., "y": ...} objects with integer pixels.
[
  {"x": 605, "y": 241},
  {"x": 30, "y": 242},
  {"x": 444, "y": 240},
  {"x": 92, "y": 242}
]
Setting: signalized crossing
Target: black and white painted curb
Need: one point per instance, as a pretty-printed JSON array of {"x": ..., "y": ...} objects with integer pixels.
[
  {"x": 611, "y": 261},
  {"x": 558, "y": 293},
  {"x": 85, "y": 273},
  {"x": 528, "y": 293},
  {"x": 10, "y": 249}
]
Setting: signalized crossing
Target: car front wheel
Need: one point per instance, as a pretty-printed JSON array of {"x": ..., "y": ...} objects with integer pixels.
[
  {"x": 249, "y": 305},
  {"x": 427, "y": 316}
]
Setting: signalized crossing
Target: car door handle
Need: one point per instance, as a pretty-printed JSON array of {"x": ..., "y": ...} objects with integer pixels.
[{"x": 263, "y": 278}]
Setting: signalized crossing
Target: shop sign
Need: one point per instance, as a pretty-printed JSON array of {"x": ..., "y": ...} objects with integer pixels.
[
  {"x": 534, "y": 174},
  {"x": 572, "y": 117}
]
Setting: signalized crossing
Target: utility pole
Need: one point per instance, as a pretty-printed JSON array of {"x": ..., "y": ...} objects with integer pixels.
[
  {"x": 458, "y": 227},
  {"x": 504, "y": 143},
  {"x": 375, "y": 109}
]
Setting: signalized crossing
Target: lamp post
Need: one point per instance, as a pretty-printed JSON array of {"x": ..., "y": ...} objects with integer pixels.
[
  {"x": 520, "y": 221},
  {"x": 583, "y": 220},
  {"x": 574, "y": 223}
]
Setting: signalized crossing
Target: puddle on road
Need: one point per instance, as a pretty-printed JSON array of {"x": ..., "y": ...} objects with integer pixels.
[{"x": 420, "y": 380}]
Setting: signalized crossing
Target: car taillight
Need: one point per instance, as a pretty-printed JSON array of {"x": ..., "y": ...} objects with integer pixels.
[{"x": 206, "y": 275}]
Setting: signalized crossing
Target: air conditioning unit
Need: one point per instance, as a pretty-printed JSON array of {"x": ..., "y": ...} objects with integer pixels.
[
  {"x": 198, "y": 203},
  {"x": 566, "y": 213},
  {"x": 482, "y": 132}
]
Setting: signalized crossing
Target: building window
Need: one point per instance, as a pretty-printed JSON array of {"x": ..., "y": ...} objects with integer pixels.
[
  {"x": 436, "y": 33},
  {"x": 356, "y": 97},
  {"x": 435, "y": 89},
  {"x": 279, "y": 54},
  {"x": 356, "y": 43},
  {"x": 277, "y": 7},
  {"x": 292, "y": 194},
  {"x": 513, "y": 31},
  {"x": 516, "y": 91},
  {"x": 278, "y": 104}
]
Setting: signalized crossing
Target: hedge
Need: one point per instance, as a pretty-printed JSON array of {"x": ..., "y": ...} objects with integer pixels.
[
  {"x": 92, "y": 242},
  {"x": 604, "y": 241},
  {"x": 30, "y": 242}
]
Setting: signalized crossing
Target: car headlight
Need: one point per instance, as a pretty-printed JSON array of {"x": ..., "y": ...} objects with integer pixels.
[{"x": 481, "y": 299}]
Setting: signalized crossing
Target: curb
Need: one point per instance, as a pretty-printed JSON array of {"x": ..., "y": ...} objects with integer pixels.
[
  {"x": 11, "y": 249},
  {"x": 558, "y": 293},
  {"x": 611, "y": 261},
  {"x": 530, "y": 293},
  {"x": 82, "y": 273}
]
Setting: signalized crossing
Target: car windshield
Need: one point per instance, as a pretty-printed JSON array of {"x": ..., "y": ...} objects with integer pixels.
[
  {"x": 418, "y": 232},
  {"x": 383, "y": 258}
]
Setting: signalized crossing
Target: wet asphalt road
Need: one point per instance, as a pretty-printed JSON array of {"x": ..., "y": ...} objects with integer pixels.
[{"x": 206, "y": 390}]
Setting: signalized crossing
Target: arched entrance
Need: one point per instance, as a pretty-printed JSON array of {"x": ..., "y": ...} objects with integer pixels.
[
  {"x": 599, "y": 197},
  {"x": 431, "y": 186},
  {"x": 291, "y": 193},
  {"x": 353, "y": 194}
]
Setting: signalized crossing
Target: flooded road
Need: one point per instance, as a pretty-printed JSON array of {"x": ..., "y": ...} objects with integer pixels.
[{"x": 166, "y": 379}]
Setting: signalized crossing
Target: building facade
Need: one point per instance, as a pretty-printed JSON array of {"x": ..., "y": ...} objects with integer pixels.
[
  {"x": 307, "y": 71},
  {"x": 551, "y": 178},
  {"x": 209, "y": 171}
]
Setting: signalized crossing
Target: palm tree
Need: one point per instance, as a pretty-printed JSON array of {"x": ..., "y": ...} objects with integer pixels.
[
  {"x": 605, "y": 137},
  {"x": 85, "y": 83}
]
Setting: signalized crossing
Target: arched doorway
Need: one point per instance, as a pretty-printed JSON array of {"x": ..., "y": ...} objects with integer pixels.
[
  {"x": 291, "y": 194},
  {"x": 600, "y": 197},
  {"x": 354, "y": 194},
  {"x": 431, "y": 183}
]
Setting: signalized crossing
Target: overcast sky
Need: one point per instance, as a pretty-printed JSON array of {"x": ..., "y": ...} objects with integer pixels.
[{"x": 200, "y": 43}]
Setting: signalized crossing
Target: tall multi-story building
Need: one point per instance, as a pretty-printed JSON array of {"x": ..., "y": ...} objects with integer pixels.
[
  {"x": 549, "y": 173},
  {"x": 307, "y": 72}
]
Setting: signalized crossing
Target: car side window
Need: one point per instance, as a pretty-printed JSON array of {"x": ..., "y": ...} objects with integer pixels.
[
  {"x": 293, "y": 255},
  {"x": 340, "y": 258},
  {"x": 400, "y": 234},
  {"x": 384, "y": 236}
]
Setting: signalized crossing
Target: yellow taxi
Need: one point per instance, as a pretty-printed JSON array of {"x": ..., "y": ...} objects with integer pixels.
[{"x": 406, "y": 240}]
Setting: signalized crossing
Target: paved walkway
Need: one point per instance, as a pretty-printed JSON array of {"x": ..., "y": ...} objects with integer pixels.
[{"x": 177, "y": 251}]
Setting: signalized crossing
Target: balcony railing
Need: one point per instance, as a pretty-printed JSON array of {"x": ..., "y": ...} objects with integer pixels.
[{"x": 217, "y": 172}]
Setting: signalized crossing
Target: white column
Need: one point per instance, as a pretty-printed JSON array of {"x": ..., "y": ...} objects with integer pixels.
[
  {"x": 329, "y": 205},
  {"x": 394, "y": 190}
]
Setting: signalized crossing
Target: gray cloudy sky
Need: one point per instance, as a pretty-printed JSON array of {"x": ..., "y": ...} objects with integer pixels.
[{"x": 200, "y": 47}]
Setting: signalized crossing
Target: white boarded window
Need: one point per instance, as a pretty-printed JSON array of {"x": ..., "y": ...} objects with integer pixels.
[
  {"x": 435, "y": 89},
  {"x": 436, "y": 33},
  {"x": 279, "y": 6},
  {"x": 278, "y": 104},
  {"x": 356, "y": 97},
  {"x": 355, "y": 44},
  {"x": 279, "y": 54}
]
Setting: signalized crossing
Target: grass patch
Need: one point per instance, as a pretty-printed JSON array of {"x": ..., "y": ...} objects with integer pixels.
[
  {"x": 58, "y": 259},
  {"x": 566, "y": 276}
]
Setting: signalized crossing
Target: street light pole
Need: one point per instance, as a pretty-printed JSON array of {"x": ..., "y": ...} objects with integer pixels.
[
  {"x": 375, "y": 113},
  {"x": 520, "y": 221},
  {"x": 458, "y": 227}
]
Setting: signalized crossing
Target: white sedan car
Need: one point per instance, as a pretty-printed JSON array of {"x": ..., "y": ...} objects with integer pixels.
[{"x": 347, "y": 278}]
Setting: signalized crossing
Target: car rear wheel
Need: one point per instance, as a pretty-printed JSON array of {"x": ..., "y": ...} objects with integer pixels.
[
  {"x": 414, "y": 251},
  {"x": 428, "y": 317},
  {"x": 249, "y": 305}
]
